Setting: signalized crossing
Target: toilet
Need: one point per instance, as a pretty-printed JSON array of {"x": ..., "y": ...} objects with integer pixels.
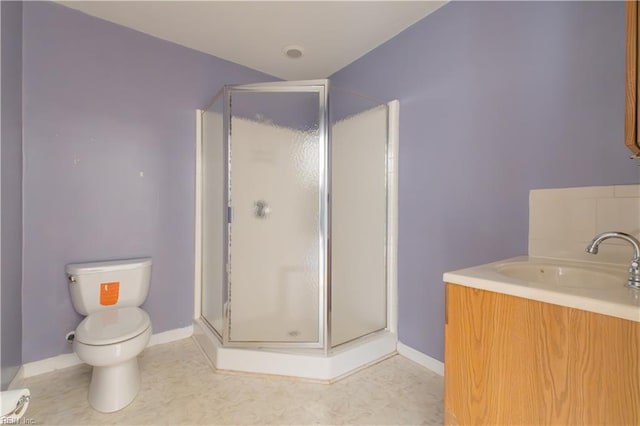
[{"x": 115, "y": 330}]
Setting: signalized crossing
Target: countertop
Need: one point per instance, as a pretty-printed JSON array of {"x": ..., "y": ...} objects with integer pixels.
[{"x": 615, "y": 300}]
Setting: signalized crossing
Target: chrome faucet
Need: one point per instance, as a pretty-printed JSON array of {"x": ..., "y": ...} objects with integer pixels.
[{"x": 634, "y": 266}]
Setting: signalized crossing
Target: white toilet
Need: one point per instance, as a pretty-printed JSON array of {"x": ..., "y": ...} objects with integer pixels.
[{"x": 115, "y": 330}]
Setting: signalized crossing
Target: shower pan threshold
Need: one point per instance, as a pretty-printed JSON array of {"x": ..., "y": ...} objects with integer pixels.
[{"x": 307, "y": 364}]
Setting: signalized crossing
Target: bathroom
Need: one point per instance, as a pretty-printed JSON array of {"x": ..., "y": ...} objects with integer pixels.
[{"x": 98, "y": 152}]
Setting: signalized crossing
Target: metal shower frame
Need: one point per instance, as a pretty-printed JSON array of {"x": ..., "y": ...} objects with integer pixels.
[{"x": 321, "y": 87}]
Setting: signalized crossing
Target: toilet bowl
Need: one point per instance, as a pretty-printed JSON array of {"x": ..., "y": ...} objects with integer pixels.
[
  {"x": 115, "y": 330},
  {"x": 111, "y": 341}
]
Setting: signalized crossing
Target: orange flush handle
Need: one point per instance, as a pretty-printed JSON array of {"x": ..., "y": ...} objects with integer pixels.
[{"x": 109, "y": 293}]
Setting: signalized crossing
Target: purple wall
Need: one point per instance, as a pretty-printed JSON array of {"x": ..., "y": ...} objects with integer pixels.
[
  {"x": 11, "y": 190},
  {"x": 103, "y": 103},
  {"x": 495, "y": 99}
]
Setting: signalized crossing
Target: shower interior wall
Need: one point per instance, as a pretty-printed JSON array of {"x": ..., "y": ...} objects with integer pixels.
[{"x": 358, "y": 215}]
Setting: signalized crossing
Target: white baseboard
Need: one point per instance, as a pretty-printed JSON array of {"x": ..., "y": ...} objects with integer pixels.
[
  {"x": 418, "y": 357},
  {"x": 171, "y": 335},
  {"x": 48, "y": 365}
]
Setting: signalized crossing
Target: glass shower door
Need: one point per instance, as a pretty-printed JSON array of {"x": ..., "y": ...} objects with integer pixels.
[{"x": 277, "y": 192}]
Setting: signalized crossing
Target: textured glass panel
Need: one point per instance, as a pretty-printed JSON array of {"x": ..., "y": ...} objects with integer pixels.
[
  {"x": 213, "y": 220},
  {"x": 274, "y": 235},
  {"x": 359, "y": 225}
]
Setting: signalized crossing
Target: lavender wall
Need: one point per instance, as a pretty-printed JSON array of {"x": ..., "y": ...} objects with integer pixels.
[
  {"x": 103, "y": 104},
  {"x": 496, "y": 99},
  {"x": 11, "y": 190}
]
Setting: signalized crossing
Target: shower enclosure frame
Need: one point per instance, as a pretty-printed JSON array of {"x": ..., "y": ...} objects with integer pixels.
[
  {"x": 337, "y": 361},
  {"x": 321, "y": 87}
]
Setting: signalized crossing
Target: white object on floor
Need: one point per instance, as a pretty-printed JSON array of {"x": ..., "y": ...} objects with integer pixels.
[{"x": 14, "y": 405}]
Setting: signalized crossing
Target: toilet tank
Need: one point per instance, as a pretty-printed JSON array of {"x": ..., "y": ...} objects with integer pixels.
[{"x": 98, "y": 286}]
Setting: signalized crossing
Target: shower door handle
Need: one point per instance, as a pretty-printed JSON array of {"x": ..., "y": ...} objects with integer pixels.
[{"x": 262, "y": 209}]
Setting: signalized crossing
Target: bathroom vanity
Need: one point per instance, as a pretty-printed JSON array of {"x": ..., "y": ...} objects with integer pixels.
[{"x": 532, "y": 341}]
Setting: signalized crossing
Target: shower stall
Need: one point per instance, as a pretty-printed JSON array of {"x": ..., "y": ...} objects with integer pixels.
[{"x": 295, "y": 229}]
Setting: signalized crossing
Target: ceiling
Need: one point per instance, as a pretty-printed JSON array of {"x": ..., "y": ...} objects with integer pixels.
[{"x": 331, "y": 34}]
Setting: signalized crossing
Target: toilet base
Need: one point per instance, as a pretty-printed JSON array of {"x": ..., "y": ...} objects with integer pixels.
[{"x": 114, "y": 387}]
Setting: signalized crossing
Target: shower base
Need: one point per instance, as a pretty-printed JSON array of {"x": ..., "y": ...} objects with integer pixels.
[{"x": 310, "y": 364}]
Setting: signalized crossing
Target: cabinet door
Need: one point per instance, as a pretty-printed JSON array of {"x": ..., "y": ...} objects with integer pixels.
[
  {"x": 631, "y": 115},
  {"x": 490, "y": 378},
  {"x": 510, "y": 360}
]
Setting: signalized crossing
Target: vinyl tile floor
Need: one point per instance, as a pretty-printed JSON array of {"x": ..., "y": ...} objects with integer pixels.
[{"x": 179, "y": 387}]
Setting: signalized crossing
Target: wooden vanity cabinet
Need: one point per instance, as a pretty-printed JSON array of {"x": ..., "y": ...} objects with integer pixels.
[
  {"x": 510, "y": 360},
  {"x": 631, "y": 112}
]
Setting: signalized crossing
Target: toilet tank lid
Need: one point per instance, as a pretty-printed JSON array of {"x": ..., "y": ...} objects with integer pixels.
[{"x": 107, "y": 266}]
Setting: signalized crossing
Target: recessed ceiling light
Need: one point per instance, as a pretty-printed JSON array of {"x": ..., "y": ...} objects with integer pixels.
[{"x": 293, "y": 51}]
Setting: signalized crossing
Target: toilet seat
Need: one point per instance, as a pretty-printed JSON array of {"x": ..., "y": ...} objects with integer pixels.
[{"x": 112, "y": 326}]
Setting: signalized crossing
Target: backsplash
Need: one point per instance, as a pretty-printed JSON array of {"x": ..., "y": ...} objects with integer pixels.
[{"x": 563, "y": 221}]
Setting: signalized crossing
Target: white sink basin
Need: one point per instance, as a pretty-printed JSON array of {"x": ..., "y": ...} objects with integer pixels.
[
  {"x": 564, "y": 275},
  {"x": 588, "y": 286}
]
